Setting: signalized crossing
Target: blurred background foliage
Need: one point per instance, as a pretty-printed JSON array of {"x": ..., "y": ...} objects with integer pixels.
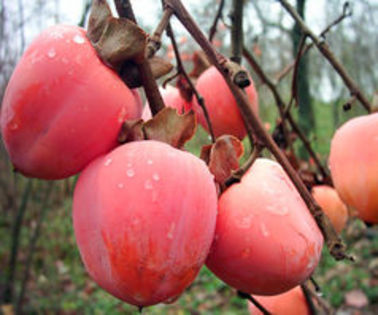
[{"x": 48, "y": 270}]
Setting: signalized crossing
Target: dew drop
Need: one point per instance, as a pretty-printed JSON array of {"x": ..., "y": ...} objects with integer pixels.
[
  {"x": 148, "y": 184},
  {"x": 51, "y": 53},
  {"x": 156, "y": 177},
  {"x": 264, "y": 229},
  {"x": 171, "y": 230},
  {"x": 121, "y": 185},
  {"x": 129, "y": 164},
  {"x": 150, "y": 162},
  {"x": 78, "y": 39},
  {"x": 130, "y": 172},
  {"x": 122, "y": 115},
  {"x": 154, "y": 196},
  {"x": 246, "y": 222},
  {"x": 65, "y": 60},
  {"x": 246, "y": 252},
  {"x": 13, "y": 126},
  {"x": 108, "y": 162}
]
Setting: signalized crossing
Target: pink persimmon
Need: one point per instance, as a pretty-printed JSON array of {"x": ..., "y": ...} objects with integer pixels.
[
  {"x": 144, "y": 218},
  {"x": 266, "y": 241},
  {"x": 354, "y": 165},
  {"x": 62, "y": 107},
  {"x": 292, "y": 302},
  {"x": 333, "y": 207},
  {"x": 172, "y": 98},
  {"x": 221, "y": 105}
]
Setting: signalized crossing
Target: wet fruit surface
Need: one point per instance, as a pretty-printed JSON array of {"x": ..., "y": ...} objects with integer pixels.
[
  {"x": 144, "y": 219},
  {"x": 266, "y": 241},
  {"x": 62, "y": 107}
]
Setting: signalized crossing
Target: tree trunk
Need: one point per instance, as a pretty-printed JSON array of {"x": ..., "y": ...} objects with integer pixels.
[{"x": 306, "y": 114}]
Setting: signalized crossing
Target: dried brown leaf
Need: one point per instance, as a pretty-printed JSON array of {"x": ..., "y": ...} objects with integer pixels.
[
  {"x": 170, "y": 127},
  {"x": 131, "y": 130},
  {"x": 116, "y": 40},
  {"x": 224, "y": 157}
]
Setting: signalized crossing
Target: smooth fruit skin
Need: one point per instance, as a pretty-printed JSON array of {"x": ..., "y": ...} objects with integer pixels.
[
  {"x": 329, "y": 200},
  {"x": 292, "y": 302},
  {"x": 172, "y": 98},
  {"x": 144, "y": 218},
  {"x": 62, "y": 107},
  {"x": 354, "y": 165},
  {"x": 221, "y": 105},
  {"x": 266, "y": 241}
]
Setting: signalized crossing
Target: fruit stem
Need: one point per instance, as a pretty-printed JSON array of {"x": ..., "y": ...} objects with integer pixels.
[
  {"x": 153, "y": 95},
  {"x": 254, "y": 301}
]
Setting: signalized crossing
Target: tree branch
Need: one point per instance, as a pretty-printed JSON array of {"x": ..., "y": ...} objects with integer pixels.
[
  {"x": 218, "y": 16},
  {"x": 181, "y": 69},
  {"x": 335, "y": 244},
  {"x": 327, "y": 53},
  {"x": 237, "y": 31}
]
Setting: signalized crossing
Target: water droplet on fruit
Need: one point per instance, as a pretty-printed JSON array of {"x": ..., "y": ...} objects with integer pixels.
[
  {"x": 148, "y": 184},
  {"x": 78, "y": 39},
  {"x": 171, "y": 230},
  {"x": 65, "y": 60},
  {"x": 121, "y": 185},
  {"x": 130, "y": 172},
  {"x": 13, "y": 126},
  {"x": 129, "y": 164},
  {"x": 150, "y": 162},
  {"x": 51, "y": 53},
  {"x": 135, "y": 221},
  {"x": 154, "y": 196},
  {"x": 276, "y": 209},
  {"x": 108, "y": 162},
  {"x": 246, "y": 252},
  {"x": 246, "y": 222},
  {"x": 264, "y": 229},
  {"x": 122, "y": 115},
  {"x": 156, "y": 177}
]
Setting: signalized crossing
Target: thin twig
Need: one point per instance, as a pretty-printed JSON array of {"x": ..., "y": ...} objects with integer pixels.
[
  {"x": 238, "y": 174},
  {"x": 181, "y": 69},
  {"x": 154, "y": 41},
  {"x": 250, "y": 298},
  {"x": 327, "y": 53},
  {"x": 218, "y": 16},
  {"x": 31, "y": 250},
  {"x": 346, "y": 13},
  {"x": 284, "y": 112},
  {"x": 16, "y": 229},
  {"x": 308, "y": 297}
]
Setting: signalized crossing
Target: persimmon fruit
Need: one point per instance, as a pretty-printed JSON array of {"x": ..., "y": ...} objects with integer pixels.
[
  {"x": 266, "y": 241},
  {"x": 354, "y": 165},
  {"x": 63, "y": 106},
  {"x": 144, "y": 218}
]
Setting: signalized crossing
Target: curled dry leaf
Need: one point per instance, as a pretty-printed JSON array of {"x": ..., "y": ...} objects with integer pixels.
[
  {"x": 223, "y": 157},
  {"x": 115, "y": 39},
  {"x": 167, "y": 126},
  {"x": 132, "y": 130},
  {"x": 170, "y": 127}
]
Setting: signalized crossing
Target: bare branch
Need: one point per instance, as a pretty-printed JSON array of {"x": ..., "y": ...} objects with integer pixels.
[{"x": 327, "y": 53}]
